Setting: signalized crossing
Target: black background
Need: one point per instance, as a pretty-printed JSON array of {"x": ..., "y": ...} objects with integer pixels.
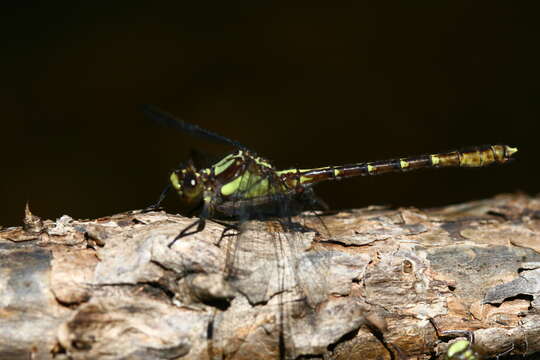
[{"x": 303, "y": 86}]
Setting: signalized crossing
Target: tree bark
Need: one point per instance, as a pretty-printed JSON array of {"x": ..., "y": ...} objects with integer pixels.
[{"x": 368, "y": 284}]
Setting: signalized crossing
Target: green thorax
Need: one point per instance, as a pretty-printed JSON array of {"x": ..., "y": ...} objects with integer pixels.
[
  {"x": 238, "y": 176},
  {"x": 244, "y": 176}
]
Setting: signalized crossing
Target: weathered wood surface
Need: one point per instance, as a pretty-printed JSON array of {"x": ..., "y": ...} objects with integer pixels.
[{"x": 110, "y": 288}]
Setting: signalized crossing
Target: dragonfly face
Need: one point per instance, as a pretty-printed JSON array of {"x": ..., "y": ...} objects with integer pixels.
[{"x": 189, "y": 184}]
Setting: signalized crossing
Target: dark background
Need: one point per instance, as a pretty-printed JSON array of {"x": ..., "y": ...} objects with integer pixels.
[{"x": 305, "y": 86}]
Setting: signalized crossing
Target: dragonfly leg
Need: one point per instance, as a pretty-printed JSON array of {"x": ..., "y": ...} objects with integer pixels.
[
  {"x": 158, "y": 203},
  {"x": 200, "y": 224},
  {"x": 226, "y": 228}
]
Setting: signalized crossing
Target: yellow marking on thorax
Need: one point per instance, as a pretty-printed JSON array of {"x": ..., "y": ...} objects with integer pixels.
[
  {"x": 370, "y": 168},
  {"x": 261, "y": 188},
  {"x": 231, "y": 187},
  {"x": 435, "y": 159},
  {"x": 284, "y": 172},
  {"x": 263, "y": 162},
  {"x": 224, "y": 164},
  {"x": 248, "y": 185}
]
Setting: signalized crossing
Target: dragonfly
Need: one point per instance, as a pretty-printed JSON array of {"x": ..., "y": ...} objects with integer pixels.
[
  {"x": 246, "y": 188},
  {"x": 243, "y": 184}
]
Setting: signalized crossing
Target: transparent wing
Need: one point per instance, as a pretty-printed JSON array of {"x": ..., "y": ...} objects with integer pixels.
[
  {"x": 169, "y": 120},
  {"x": 271, "y": 262}
]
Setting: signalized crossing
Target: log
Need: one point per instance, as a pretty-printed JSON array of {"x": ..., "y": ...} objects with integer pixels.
[{"x": 373, "y": 283}]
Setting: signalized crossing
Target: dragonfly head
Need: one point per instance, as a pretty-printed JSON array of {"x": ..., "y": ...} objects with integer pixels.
[{"x": 188, "y": 183}]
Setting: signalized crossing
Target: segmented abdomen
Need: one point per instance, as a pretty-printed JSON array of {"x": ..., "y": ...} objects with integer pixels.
[{"x": 475, "y": 157}]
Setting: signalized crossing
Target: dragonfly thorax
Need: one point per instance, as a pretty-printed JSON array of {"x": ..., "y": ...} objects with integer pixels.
[{"x": 236, "y": 178}]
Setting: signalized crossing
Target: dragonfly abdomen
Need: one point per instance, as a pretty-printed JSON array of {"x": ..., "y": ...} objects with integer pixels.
[{"x": 476, "y": 157}]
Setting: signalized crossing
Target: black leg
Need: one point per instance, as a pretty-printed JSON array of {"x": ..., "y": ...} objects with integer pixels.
[
  {"x": 200, "y": 223},
  {"x": 227, "y": 227},
  {"x": 161, "y": 198}
]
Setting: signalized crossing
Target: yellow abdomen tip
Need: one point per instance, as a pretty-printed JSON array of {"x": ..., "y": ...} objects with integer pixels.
[{"x": 511, "y": 150}]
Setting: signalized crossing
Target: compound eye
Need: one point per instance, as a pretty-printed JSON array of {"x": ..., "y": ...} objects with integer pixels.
[{"x": 190, "y": 181}]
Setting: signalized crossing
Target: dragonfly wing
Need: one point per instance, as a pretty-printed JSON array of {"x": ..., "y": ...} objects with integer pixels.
[{"x": 171, "y": 121}]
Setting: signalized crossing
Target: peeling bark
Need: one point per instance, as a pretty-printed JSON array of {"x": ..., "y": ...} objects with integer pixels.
[{"x": 375, "y": 283}]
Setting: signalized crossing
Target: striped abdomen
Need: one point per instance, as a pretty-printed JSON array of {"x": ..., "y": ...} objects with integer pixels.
[{"x": 476, "y": 157}]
